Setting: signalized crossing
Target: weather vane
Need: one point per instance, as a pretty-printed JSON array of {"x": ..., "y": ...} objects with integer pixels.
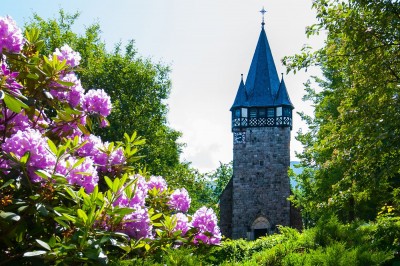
[{"x": 263, "y": 11}]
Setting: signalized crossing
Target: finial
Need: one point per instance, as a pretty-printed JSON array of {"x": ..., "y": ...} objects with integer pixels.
[
  {"x": 263, "y": 11},
  {"x": 242, "y": 76}
]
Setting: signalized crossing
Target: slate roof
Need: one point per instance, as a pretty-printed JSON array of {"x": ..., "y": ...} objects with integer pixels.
[
  {"x": 262, "y": 82},
  {"x": 282, "y": 96},
  {"x": 241, "y": 95}
]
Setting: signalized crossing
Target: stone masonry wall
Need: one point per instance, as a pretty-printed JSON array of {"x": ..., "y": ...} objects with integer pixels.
[
  {"x": 260, "y": 181},
  {"x": 225, "y": 214}
]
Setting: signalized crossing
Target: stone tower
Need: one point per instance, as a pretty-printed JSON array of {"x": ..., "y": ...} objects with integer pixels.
[{"x": 255, "y": 199}]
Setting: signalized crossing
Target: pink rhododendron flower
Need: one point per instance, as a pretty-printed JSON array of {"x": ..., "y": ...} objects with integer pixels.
[
  {"x": 140, "y": 193},
  {"x": 31, "y": 141},
  {"x": 157, "y": 182},
  {"x": 91, "y": 147},
  {"x": 72, "y": 95},
  {"x": 137, "y": 224},
  {"x": 12, "y": 122},
  {"x": 11, "y": 38},
  {"x": 205, "y": 220},
  {"x": 182, "y": 223},
  {"x": 10, "y": 82},
  {"x": 84, "y": 175},
  {"x": 97, "y": 101},
  {"x": 109, "y": 162},
  {"x": 66, "y": 53},
  {"x": 179, "y": 200}
]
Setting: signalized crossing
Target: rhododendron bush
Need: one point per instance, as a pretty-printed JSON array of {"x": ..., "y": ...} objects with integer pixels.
[{"x": 65, "y": 195}]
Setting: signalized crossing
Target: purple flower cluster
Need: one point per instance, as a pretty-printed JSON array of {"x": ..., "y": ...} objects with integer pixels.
[
  {"x": 72, "y": 95},
  {"x": 66, "y": 53},
  {"x": 157, "y": 182},
  {"x": 205, "y": 220},
  {"x": 182, "y": 223},
  {"x": 10, "y": 81},
  {"x": 69, "y": 129},
  {"x": 91, "y": 146},
  {"x": 140, "y": 189},
  {"x": 97, "y": 102},
  {"x": 84, "y": 174},
  {"x": 109, "y": 162},
  {"x": 11, "y": 38},
  {"x": 31, "y": 141},
  {"x": 137, "y": 224},
  {"x": 179, "y": 200},
  {"x": 12, "y": 122}
]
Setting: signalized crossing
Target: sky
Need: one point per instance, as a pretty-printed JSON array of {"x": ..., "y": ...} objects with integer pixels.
[{"x": 208, "y": 44}]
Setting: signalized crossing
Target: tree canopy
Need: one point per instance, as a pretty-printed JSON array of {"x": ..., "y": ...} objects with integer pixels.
[{"x": 352, "y": 150}]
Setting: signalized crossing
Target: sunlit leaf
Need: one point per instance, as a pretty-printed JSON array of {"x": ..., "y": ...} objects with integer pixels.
[
  {"x": 34, "y": 253},
  {"x": 43, "y": 244}
]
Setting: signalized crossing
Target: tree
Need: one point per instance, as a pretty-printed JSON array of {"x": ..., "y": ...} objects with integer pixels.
[
  {"x": 352, "y": 150},
  {"x": 219, "y": 179},
  {"x": 138, "y": 89}
]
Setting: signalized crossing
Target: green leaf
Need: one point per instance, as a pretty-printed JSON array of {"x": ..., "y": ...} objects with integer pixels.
[
  {"x": 124, "y": 211},
  {"x": 52, "y": 146},
  {"x": 43, "y": 244},
  {"x": 79, "y": 162},
  {"x": 83, "y": 129},
  {"x": 156, "y": 216},
  {"x": 52, "y": 241},
  {"x": 34, "y": 253},
  {"x": 24, "y": 159},
  {"x": 82, "y": 215},
  {"x": 65, "y": 83},
  {"x": 124, "y": 247},
  {"x": 10, "y": 216},
  {"x": 32, "y": 76},
  {"x": 14, "y": 104},
  {"x": 43, "y": 174},
  {"x": 60, "y": 220},
  {"x": 109, "y": 182},
  {"x": 115, "y": 186},
  {"x": 6, "y": 184},
  {"x": 42, "y": 209},
  {"x": 69, "y": 217},
  {"x": 22, "y": 208}
]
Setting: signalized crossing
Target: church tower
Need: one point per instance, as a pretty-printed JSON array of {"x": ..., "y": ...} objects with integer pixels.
[{"x": 255, "y": 199}]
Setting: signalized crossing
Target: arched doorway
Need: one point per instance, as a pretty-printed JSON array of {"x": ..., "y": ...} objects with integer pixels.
[{"x": 260, "y": 227}]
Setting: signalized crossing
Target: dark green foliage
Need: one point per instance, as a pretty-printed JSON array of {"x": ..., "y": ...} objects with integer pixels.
[
  {"x": 330, "y": 242},
  {"x": 352, "y": 148},
  {"x": 220, "y": 178}
]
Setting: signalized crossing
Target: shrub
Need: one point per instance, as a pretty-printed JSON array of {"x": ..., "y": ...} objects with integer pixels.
[{"x": 67, "y": 197}]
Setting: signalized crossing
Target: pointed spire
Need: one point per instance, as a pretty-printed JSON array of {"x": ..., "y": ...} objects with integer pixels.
[
  {"x": 241, "y": 95},
  {"x": 282, "y": 96},
  {"x": 262, "y": 81}
]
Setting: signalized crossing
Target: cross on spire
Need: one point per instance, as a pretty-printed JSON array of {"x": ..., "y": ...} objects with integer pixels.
[{"x": 263, "y": 11}]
